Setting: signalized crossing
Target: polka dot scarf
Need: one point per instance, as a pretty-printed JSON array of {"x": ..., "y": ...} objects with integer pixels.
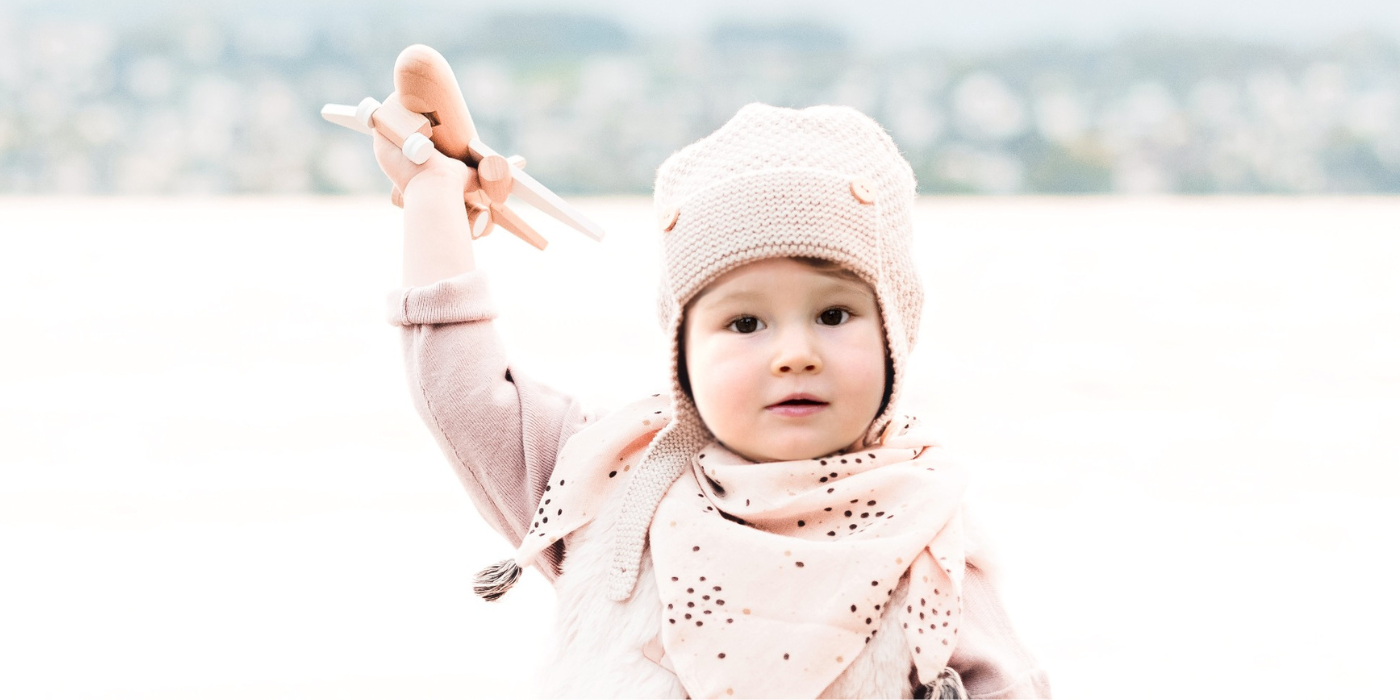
[{"x": 774, "y": 576}]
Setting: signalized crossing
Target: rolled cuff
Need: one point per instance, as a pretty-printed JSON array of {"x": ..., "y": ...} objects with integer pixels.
[{"x": 458, "y": 299}]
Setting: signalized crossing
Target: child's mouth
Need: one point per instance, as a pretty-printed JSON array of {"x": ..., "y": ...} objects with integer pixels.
[{"x": 797, "y": 407}]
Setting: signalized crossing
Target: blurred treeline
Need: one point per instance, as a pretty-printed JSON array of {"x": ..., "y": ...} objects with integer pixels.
[{"x": 200, "y": 104}]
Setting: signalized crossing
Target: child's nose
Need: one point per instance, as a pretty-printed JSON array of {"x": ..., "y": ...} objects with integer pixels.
[{"x": 797, "y": 355}]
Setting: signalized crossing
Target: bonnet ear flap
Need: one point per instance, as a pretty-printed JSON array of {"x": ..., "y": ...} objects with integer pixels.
[{"x": 666, "y": 459}]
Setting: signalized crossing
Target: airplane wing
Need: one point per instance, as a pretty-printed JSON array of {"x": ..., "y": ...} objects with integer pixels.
[
  {"x": 529, "y": 190},
  {"x": 344, "y": 115}
]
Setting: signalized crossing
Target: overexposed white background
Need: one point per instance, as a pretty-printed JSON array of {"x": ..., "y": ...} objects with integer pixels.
[{"x": 1181, "y": 415}]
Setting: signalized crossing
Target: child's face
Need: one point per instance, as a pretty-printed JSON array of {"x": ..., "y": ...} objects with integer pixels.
[{"x": 785, "y": 361}]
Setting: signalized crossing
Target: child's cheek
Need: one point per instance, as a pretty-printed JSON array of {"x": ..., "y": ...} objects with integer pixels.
[
  {"x": 720, "y": 377},
  {"x": 731, "y": 368},
  {"x": 861, "y": 357}
]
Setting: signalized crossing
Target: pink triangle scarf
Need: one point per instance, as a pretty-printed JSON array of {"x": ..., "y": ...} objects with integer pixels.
[{"x": 774, "y": 576}]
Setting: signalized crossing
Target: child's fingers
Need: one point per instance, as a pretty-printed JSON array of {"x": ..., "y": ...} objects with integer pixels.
[
  {"x": 400, "y": 169},
  {"x": 393, "y": 162}
]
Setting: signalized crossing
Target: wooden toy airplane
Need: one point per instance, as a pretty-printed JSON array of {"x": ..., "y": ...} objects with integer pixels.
[{"x": 426, "y": 112}]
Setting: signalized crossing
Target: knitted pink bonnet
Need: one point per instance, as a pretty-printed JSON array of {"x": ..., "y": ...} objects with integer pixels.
[{"x": 823, "y": 182}]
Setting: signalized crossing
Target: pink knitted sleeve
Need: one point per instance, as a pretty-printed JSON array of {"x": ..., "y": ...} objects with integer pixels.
[
  {"x": 990, "y": 658},
  {"x": 500, "y": 430}
]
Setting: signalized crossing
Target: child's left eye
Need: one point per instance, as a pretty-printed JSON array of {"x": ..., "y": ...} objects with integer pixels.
[
  {"x": 834, "y": 317},
  {"x": 745, "y": 324}
]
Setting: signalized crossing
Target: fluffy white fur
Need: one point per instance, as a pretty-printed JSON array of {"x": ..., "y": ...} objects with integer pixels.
[
  {"x": 882, "y": 668},
  {"x": 598, "y": 643}
]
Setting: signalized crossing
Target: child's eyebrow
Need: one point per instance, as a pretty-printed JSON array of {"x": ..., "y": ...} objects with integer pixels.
[
  {"x": 839, "y": 273},
  {"x": 842, "y": 281},
  {"x": 848, "y": 282},
  {"x": 734, "y": 294}
]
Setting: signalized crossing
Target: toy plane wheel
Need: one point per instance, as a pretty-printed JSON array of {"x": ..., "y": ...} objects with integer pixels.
[
  {"x": 364, "y": 113},
  {"x": 418, "y": 148}
]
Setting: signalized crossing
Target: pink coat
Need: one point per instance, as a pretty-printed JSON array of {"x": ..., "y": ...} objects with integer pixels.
[{"x": 501, "y": 432}]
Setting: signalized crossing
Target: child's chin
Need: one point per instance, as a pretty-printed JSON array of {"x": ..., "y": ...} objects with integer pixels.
[{"x": 795, "y": 450}]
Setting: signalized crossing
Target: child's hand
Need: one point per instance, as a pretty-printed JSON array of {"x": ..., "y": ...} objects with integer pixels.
[
  {"x": 400, "y": 169},
  {"x": 437, "y": 244}
]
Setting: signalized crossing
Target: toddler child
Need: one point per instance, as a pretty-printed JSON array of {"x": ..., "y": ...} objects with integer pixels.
[{"x": 772, "y": 526}]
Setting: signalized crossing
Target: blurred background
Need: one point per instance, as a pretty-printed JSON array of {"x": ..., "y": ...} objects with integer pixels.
[
  {"x": 1160, "y": 245},
  {"x": 1003, "y": 97}
]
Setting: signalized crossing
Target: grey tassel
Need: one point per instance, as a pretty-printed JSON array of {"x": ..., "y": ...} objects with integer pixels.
[
  {"x": 947, "y": 686},
  {"x": 493, "y": 581}
]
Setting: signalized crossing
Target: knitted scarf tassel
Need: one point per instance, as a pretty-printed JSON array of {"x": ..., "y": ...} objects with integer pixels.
[
  {"x": 947, "y": 686},
  {"x": 493, "y": 581}
]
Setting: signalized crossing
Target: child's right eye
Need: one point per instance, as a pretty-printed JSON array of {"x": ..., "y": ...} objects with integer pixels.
[{"x": 745, "y": 324}]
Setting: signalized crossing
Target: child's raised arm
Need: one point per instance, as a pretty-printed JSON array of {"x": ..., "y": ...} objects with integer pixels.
[{"x": 500, "y": 430}]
